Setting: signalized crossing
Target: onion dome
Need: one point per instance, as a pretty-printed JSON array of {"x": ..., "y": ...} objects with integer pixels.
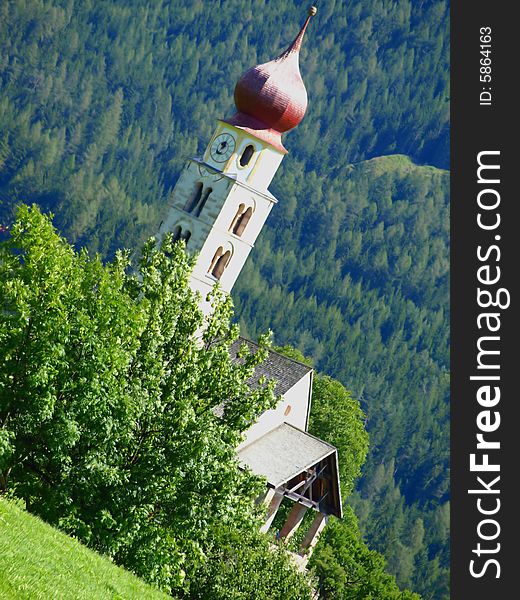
[{"x": 271, "y": 98}]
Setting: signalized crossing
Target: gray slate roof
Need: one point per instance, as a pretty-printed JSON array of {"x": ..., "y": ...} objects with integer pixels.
[
  {"x": 283, "y": 453},
  {"x": 286, "y": 371}
]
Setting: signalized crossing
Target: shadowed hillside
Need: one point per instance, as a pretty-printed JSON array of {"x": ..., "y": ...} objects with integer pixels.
[{"x": 101, "y": 102}]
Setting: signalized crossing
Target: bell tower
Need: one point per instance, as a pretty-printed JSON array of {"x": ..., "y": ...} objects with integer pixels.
[{"x": 221, "y": 200}]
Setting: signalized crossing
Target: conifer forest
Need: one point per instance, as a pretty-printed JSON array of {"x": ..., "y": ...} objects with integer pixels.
[{"x": 102, "y": 102}]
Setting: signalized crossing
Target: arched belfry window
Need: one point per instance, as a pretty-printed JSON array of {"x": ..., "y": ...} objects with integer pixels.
[
  {"x": 217, "y": 255},
  {"x": 179, "y": 234},
  {"x": 203, "y": 200},
  {"x": 239, "y": 212},
  {"x": 198, "y": 199},
  {"x": 241, "y": 219},
  {"x": 176, "y": 233},
  {"x": 219, "y": 263},
  {"x": 247, "y": 155},
  {"x": 194, "y": 199}
]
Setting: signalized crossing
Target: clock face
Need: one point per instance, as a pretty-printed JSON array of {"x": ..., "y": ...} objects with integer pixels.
[{"x": 222, "y": 147}]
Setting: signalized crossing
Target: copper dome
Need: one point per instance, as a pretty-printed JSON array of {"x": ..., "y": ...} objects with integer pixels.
[{"x": 273, "y": 94}]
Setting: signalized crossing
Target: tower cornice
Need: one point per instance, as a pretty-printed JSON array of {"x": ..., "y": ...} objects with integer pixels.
[{"x": 263, "y": 193}]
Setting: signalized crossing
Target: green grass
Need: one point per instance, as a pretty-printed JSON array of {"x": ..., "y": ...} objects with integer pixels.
[
  {"x": 396, "y": 162},
  {"x": 38, "y": 562}
]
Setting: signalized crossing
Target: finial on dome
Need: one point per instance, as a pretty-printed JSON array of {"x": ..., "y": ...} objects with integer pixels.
[{"x": 297, "y": 44}]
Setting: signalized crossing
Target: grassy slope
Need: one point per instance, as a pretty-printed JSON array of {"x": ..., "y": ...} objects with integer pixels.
[{"x": 37, "y": 561}]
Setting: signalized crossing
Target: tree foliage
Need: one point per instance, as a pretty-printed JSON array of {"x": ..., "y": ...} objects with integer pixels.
[
  {"x": 248, "y": 565},
  {"x": 107, "y": 401},
  {"x": 344, "y": 566},
  {"x": 348, "y": 570},
  {"x": 337, "y": 418}
]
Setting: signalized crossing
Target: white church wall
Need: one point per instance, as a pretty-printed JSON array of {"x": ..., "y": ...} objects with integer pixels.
[
  {"x": 220, "y": 236},
  {"x": 292, "y": 409},
  {"x": 260, "y": 203},
  {"x": 199, "y": 224}
]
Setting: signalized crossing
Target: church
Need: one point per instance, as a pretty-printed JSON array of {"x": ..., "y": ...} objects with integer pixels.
[{"x": 219, "y": 206}]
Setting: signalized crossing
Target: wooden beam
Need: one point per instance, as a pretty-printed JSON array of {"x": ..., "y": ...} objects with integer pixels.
[
  {"x": 311, "y": 537},
  {"x": 272, "y": 510},
  {"x": 265, "y": 497},
  {"x": 293, "y": 521}
]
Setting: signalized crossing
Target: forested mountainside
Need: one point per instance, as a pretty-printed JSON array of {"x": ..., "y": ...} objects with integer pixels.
[
  {"x": 102, "y": 101},
  {"x": 359, "y": 281}
]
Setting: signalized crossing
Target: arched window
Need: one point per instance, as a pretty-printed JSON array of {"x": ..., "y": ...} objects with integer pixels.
[
  {"x": 192, "y": 202},
  {"x": 177, "y": 233},
  {"x": 240, "y": 210},
  {"x": 218, "y": 254},
  {"x": 247, "y": 155},
  {"x": 238, "y": 224},
  {"x": 219, "y": 262},
  {"x": 203, "y": 201}
]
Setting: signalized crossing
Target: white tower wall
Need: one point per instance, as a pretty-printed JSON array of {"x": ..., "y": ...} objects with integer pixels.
[{"x": 220, "y": 204}]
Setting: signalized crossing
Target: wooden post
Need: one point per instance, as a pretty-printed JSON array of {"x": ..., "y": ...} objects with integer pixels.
[
  {"x": 265, "y": 497},
  {"x": 276, "y": 500},
  {"x": 293, "y": 521},
  {"x": 311, "y": 537}
]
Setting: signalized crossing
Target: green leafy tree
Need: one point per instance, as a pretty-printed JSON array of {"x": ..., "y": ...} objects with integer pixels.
[
  {"x": 245, "y": 565},
  {"x": 107, "y": 402},
  {"x": 337, "y": 418},
  {"x": 345, "y": 567}
]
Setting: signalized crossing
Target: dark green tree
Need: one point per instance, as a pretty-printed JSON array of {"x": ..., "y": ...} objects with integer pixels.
[
  {"x": 348, "y": 570},
  {"x": 337, "y": 418}
]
